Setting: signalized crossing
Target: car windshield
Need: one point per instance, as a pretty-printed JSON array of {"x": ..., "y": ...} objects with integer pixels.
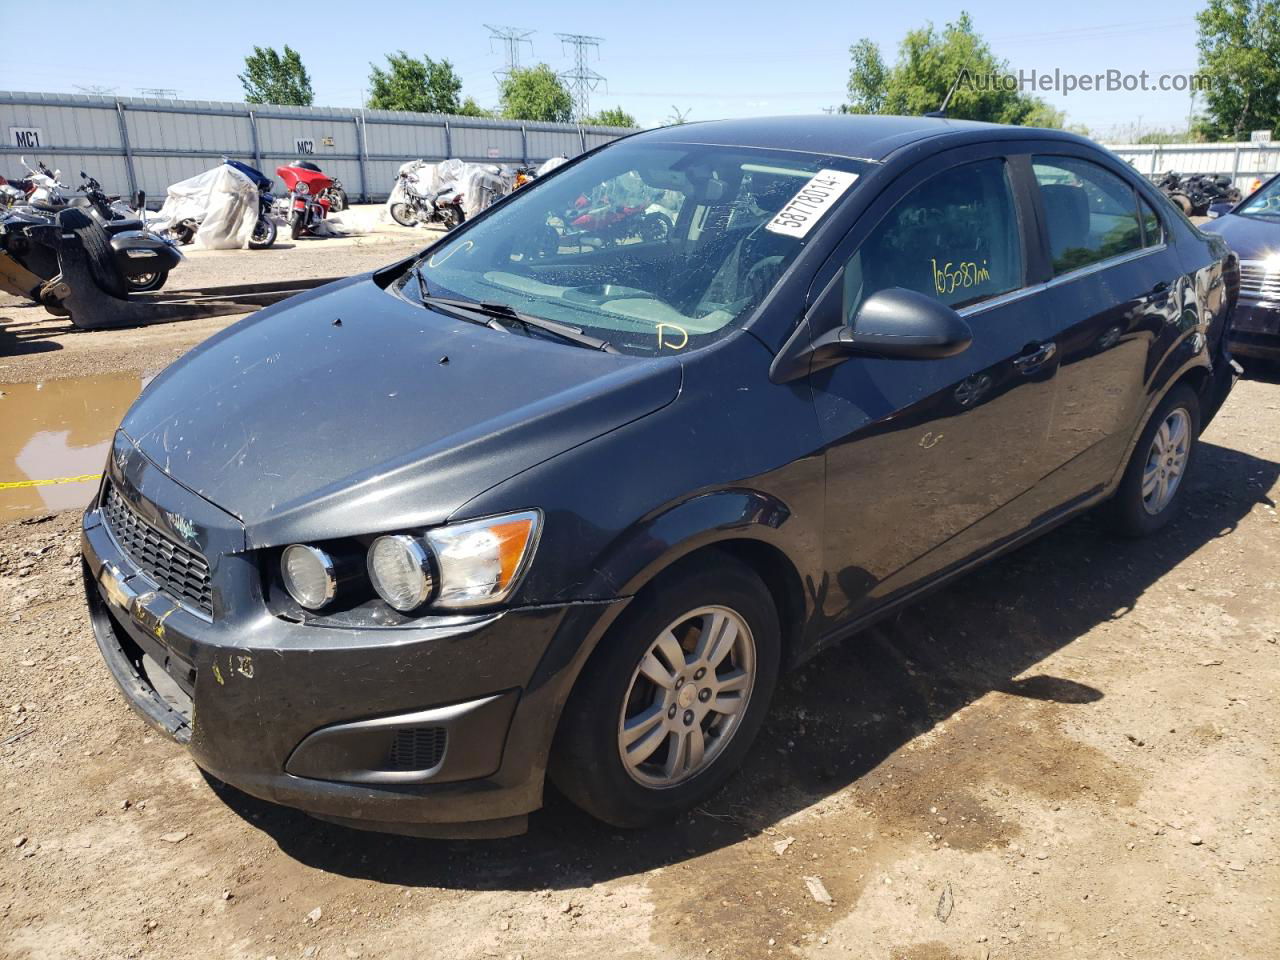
[
  {"x": 1265, "y": 203},
  {"x": 650, "y": 247}
]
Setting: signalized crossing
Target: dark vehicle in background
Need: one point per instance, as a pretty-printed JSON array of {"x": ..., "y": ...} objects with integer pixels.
[
  {"x": 510, "y": 509},
  {"x": 1252, "y": 230}
]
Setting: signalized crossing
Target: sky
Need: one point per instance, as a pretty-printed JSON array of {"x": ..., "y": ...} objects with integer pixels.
[{"x": 708, "y": 60}]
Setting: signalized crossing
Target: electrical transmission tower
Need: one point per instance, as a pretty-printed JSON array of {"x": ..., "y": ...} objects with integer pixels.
[
  {"x": 582, "y": 79},
  {"x": 160, "y": 93},
  {"x": 511, "y": 39},
  {"x": 95, "y": 89}
]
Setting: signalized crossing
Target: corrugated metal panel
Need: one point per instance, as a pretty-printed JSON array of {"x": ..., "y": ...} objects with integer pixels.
[
  {"x": 489, "y": 142},
  {"x": 171, "y": 140}
]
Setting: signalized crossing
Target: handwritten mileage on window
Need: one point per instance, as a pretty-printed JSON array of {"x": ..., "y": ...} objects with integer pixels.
[
  {"x": 953, "y": 276},
  {"x": 814, "y": 199}
]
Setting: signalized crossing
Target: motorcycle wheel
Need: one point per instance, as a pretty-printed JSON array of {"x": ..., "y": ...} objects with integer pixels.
[
  {"x": 185, "y": 231},
  {"x": 453, "y": 217},
  {"x": 146, "y": 282},
  {"x": 654, "y": 227},
  {"x": 338, "y": 201},
  {"x": 402, "y": 215},
  {"x": 264, "y": 234},
  {"x": 295, "y": 226}
]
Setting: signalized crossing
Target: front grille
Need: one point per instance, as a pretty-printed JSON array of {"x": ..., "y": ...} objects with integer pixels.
[
  {"x": 417, "y": 748},
  {"x": 178, "y": 571},
  {"x": 1257, "y": 282}
]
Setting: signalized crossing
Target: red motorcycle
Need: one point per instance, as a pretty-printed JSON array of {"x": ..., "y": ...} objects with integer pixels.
[
  {"x": 307, "y": 205},
  {"x": 613, "y": 223}
]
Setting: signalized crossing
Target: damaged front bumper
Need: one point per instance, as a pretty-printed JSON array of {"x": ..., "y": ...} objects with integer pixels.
[{"x": 438, "y": 729}]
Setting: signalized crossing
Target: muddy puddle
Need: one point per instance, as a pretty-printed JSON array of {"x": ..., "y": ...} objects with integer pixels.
[{"x": 54, "y": 438}]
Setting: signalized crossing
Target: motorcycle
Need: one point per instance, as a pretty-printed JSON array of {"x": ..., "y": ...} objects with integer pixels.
[
  {"x": 427, "y": 206},
  {"x": 264, "y": 231},
  {"x": 612, "y": 223},
  {"x": 307, "y": 207},
  {"x": 1194, "y": 194},
  {"x": 334, "y": 193},
  {"x": 125, "y": 257}
]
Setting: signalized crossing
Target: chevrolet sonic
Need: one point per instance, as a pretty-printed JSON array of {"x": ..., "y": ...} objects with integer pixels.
[{"x": 563, "y": 494}]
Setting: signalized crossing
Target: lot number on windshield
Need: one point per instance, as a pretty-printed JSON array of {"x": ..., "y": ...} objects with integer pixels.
[{"x": 813, "y": 200}]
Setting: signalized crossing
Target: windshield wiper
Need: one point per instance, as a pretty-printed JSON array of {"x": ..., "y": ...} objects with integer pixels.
[{"x": 496, "y": 313}]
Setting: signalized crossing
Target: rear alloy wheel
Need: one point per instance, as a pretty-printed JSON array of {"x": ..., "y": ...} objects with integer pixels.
[
  {"x": 1151, "y": 489},
  {"x": 673, "y": 696}
]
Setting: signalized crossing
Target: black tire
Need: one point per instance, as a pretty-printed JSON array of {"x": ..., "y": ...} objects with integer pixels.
[
  {"x": 1127, "y": 510},
  {"x": 97, "y": 248},
  {"x": 295, "y": 225},
  {"x": 586, "y": 762},
  {"x": 146, "y": 282},
  {"x": 264, "y": 234},
  {"x": 402, "y": 214},
  {"x": 655, "y": 227},
  {"x": 453, "y": 217},
  {"x": 1183, "y": 202},
  {"x": 338, "y": 201}
]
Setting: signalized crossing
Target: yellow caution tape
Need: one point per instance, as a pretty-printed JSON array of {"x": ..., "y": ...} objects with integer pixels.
[{"x": 19, "y": 484}]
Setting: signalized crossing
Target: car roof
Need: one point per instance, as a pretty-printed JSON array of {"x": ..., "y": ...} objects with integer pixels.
[{"x": 857, "y": 136}]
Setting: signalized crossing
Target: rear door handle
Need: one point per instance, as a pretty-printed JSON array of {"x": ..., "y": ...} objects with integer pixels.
[{"x": 1035, "y": 357}]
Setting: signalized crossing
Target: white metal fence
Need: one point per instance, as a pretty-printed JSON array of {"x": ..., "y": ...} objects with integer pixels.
[
  {"x": 134, "y": 143},
  {"x": 1243, "y": 162}
]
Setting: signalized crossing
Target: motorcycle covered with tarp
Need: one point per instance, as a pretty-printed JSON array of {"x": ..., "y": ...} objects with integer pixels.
[{"x": 221, "y": 204}]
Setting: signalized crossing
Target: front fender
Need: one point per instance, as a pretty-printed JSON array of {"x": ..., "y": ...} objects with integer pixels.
[{"x": 653, "y": 545}]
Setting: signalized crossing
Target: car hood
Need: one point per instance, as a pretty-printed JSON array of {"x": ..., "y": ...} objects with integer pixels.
[
  {"x": 1252, "y": 238},
  {"x": 347, "y": 410}
]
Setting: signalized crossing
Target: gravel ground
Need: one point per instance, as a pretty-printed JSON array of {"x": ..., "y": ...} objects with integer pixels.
[{"x": 1070, "y": 753}]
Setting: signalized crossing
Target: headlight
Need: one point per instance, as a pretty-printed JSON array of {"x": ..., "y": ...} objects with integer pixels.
[
  {"x": 301, "y": 187},
  {"x": 309, "y": 575},
  {"x": 400, "y": 571},
  {"x": 481, "y": 561}
]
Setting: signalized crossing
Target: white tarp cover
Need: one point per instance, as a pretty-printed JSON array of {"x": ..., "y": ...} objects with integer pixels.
[
  {"x": 222, "y": 200},
  {"x": 549, "y": 165}
]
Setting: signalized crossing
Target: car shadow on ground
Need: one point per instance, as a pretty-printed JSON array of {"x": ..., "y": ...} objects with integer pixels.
[{"x": 845, "y": 712}]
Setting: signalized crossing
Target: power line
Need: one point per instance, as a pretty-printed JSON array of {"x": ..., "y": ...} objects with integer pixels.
[
  {"x": 582, "y": 78},
  {"x": 511, "y": 39},
  {"x": 161, "y": 93},
  {"x": 95, "y": 89}
]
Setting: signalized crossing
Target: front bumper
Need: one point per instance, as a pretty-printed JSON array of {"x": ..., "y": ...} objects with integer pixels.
[
  {"x": 441, "y": 729},
  {"x": 1255, "y": 330}
]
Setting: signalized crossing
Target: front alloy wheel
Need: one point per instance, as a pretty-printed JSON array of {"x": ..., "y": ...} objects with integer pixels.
[
  {"x": 686, "y": 696},
  {"x": 673, "y": 695}
]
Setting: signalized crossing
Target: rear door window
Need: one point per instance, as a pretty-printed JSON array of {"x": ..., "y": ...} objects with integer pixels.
[
  {"x": 954, "y": 237},
  {"x": 1092, "y": 214},
  {"x": 1152, "y": 228}
]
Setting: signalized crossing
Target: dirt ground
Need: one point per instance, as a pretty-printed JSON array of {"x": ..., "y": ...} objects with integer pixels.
[{"x": 1069, "y": 753}]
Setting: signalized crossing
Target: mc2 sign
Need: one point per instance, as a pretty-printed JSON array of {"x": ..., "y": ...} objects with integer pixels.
[
  {"x": 304, "y": 147},
  {"x": 28, "y": 138}
]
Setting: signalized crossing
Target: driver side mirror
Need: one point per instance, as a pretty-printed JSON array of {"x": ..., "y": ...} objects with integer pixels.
[{"x": 895, "y": 323}]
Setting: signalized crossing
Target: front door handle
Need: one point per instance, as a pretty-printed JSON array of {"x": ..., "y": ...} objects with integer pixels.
[{"x": 1035, "y": 357}]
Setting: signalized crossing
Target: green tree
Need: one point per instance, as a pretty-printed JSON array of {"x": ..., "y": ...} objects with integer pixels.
[
  {"x": 470, "y": 108},
  {"x": 418, "y": 85},
  {"x": 271, "y": 78},
  {"x": 1240, "y": 60},
  {"x": 868, "y": 78},
  {"x": 930, "y": 62},
  {"x": 536, "y": 93},
  {"x": 612, "y": 117}
]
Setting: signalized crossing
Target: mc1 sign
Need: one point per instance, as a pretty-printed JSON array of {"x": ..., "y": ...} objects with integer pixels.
[{"x": 28, "y": 138}]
